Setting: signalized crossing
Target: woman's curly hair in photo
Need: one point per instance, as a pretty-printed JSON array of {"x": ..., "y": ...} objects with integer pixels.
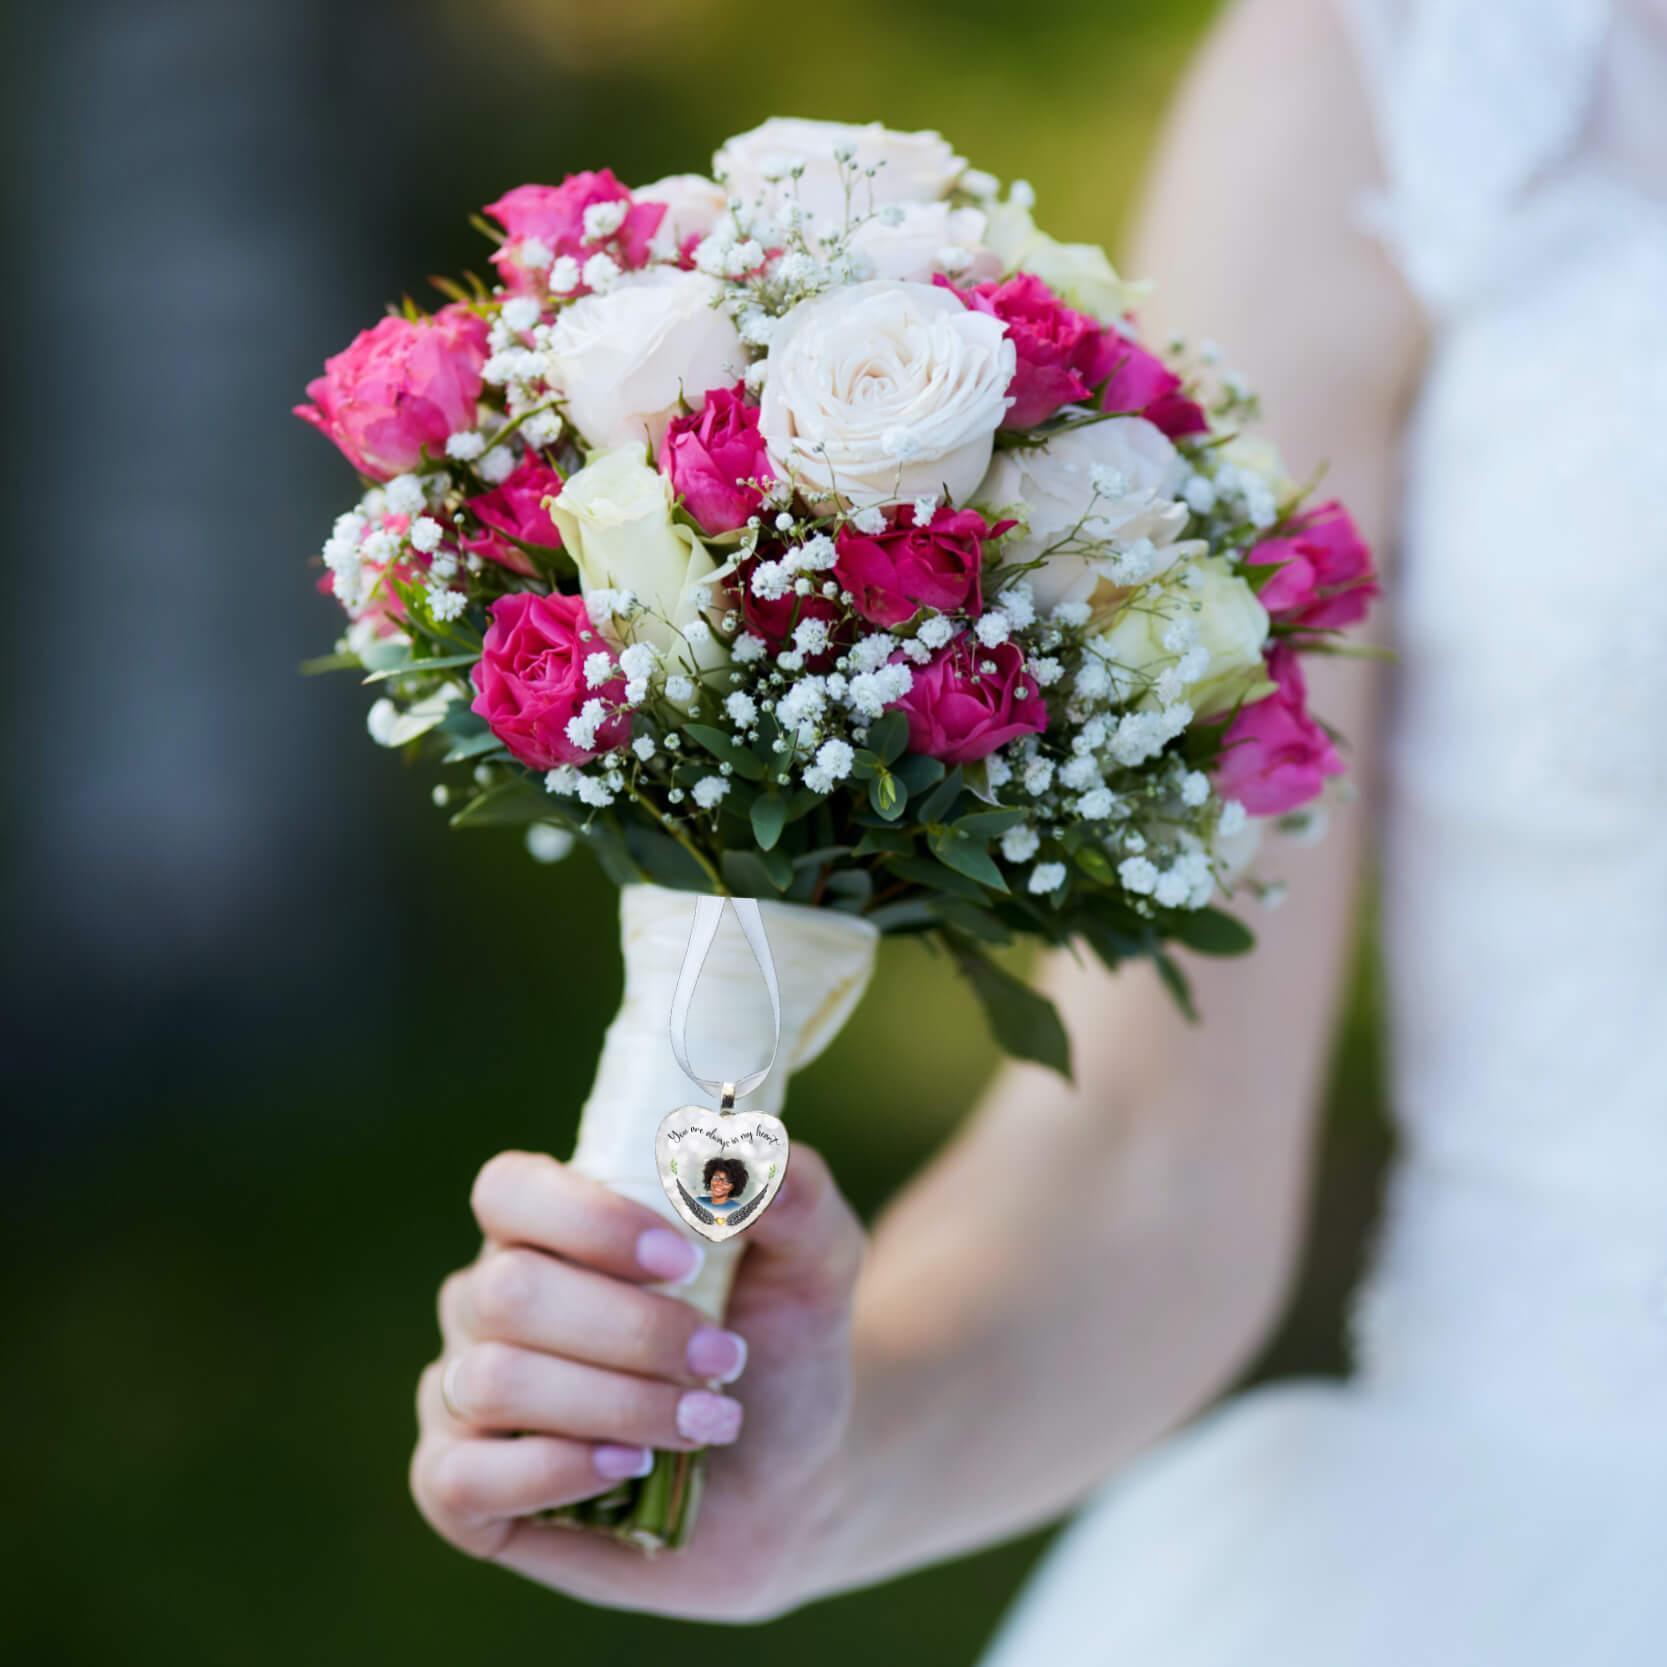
[{"x": 732, "y": 1167}]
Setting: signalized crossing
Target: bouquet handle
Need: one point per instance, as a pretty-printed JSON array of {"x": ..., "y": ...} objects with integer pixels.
[{"x": 823, "y": 963}]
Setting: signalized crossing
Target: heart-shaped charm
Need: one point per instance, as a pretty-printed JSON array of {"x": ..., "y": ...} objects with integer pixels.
[{"x": 720, "y": 1169}]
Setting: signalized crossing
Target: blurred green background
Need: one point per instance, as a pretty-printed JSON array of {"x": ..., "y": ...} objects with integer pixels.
[{"x": 263, "y": 1041}]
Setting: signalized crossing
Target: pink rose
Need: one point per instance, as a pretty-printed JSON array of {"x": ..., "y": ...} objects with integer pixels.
[
  {"x": 401, "y": 386},
  {"x": 1274, "y": 756},
  {"x": 774, "y": 621},
  {"x": 1140, "y": 383},
  {"x": 554, "y": 215},
  {"x": 515, "y": 510},
  {"x": 709, "y": 456},
  {"x": 1052, "y": 342},
  {"x": 891, "y": 575},
  {"x": 957, "y": 711},
  {"x": 1327, "y": 580},
  {"x": 530, "y": 679}
]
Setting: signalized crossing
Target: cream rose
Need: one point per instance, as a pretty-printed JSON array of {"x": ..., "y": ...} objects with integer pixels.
[
  {"x": 909, "y": 240},
  {"x": 911, "y": 167},
  {"x": 1232, "y": 628},
  {"x": 882, "y": 392},
  {"x": 1052, "y": 488},
  {"x": 694, "y": 205},
  {"x": 616, "y": 523},
  {"x": 1080, "y": 272},
  {"x": 624, "y": 359}
]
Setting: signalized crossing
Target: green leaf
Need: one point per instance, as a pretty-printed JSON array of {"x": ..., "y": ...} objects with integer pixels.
[
  {"x": 907, "y": 915},
  {"x": 891, "y": 841},
  {"x": 974, "y": 921},
  {"x": 663, "y": 860},
  {"x": 938, "y": 805},
  {"x": 472, "y": 747},
  {"x": 968, "y": 857},
  {"x": 855, "y": 883},
  {"x": 1025, "y": 1024},
  {"x": 415, "y": 668},
  {"x": 887, "y": 795},
  {"x": 1175, "y": 981},
  {"x": 604, "y": 839},
  {"x": 989, "y": 824},
  {"x": 935, "y": 876},
  {"x": 726, "y": 750},
  {"x": 1096, "y": 865},
  {"x": 778, "y": 867},
  {"x": 888, "y": 735},
  {"x": 745, "y": 874},
  {"x": 319, "y": 664},
  {"x": 1212, "y": 932},
  {"x": 769, "y": 817},
  {"x": 821, "y": 856},
  {"x": 506, "y": 804},
  {"x": 918, "y": 772},
  {"x": 1113, "y": 947}
]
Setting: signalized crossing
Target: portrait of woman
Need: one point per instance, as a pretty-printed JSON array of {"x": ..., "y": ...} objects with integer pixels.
[{"x": 725, "y": 1180}]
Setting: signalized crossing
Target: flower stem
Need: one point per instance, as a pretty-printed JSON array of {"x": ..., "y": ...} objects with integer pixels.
[{"x": 681, "y": 837}]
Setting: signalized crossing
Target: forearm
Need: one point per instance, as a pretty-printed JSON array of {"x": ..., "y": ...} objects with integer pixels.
[{"x": 1010, "y": 1355}]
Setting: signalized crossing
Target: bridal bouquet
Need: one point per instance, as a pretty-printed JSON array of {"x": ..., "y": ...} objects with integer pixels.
[{"x": 824, "y": 532}]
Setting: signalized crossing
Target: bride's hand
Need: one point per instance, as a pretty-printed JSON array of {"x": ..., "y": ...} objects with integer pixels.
[{"x": 551, "y": 1332}]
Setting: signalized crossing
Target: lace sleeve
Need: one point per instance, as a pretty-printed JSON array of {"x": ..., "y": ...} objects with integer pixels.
[{"x": 1471, "y": 99}]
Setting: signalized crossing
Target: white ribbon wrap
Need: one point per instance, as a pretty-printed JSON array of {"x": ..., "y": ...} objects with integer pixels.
[
  {"x": 703, "y": 933},
  {"x": 823, "y": 961}
]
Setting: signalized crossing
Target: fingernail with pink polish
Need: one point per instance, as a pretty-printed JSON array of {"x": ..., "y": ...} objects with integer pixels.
[
  {"x": 711, "y": 1420},
  {"x": 616, "y": 1462},
  {"x": 715, "y": 1353},
  {"x": 671, "y": 1258}
]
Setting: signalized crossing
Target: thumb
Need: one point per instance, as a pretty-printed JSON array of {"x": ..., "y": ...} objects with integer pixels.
[{"x": 809, "y": 1242}]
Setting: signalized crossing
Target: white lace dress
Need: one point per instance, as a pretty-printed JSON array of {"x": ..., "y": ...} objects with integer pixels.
[{"x": 1490, "y": 1488}]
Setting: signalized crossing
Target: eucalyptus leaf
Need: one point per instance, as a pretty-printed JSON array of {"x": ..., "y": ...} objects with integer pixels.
[
  {"x": 910, "y": 914},
  {"x": 855, "y": 883},
  {"x": 1175, "y": 981},
  {"x": 989, "y": 824},
  {"x": 769, "y": 817},
  {"x": 726, "y": 750},
  {"x": 1212, "y": 932},
  {"x": 888, "y": 795},
  {"x": 974, "y": 921},
  {"x": 510, "y": 803},
  {"x": 968, "y": 857},
  {"x": 917, "y": 772},
  {"x": 663, "y": 860},
  {"x": 472, "y": 747},
  {"x": 891, "y": 841},
  {"x": 1024, "y": 1023},
  {"x": 1095, "y": 864},
  {"x": 415, "y": 668},
  {"x": 935, "y": 876},
  {"x": 942, "y": 799},
  {"x": 888, "y": 735},
  {"x": 745, "y": 875}
]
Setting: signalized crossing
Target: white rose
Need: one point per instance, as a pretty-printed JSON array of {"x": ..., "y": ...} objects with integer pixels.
[
  {"x": 623, "y": 360},
  {"x": 1079, "y": 272},
  {"x": 883, "y": 392},
  {"x": 1232, "y": 629},
  {"x": 694, "y": 205},
  {"x": 616, "y": 523},
  {"x": 906, "y": 242},
  {"x": 912, "y": 167},
  {"x": 1052, "y": 487}
]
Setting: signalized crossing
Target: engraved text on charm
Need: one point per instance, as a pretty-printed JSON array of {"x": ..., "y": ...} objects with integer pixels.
[{"x": 720, "y": 1169}]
